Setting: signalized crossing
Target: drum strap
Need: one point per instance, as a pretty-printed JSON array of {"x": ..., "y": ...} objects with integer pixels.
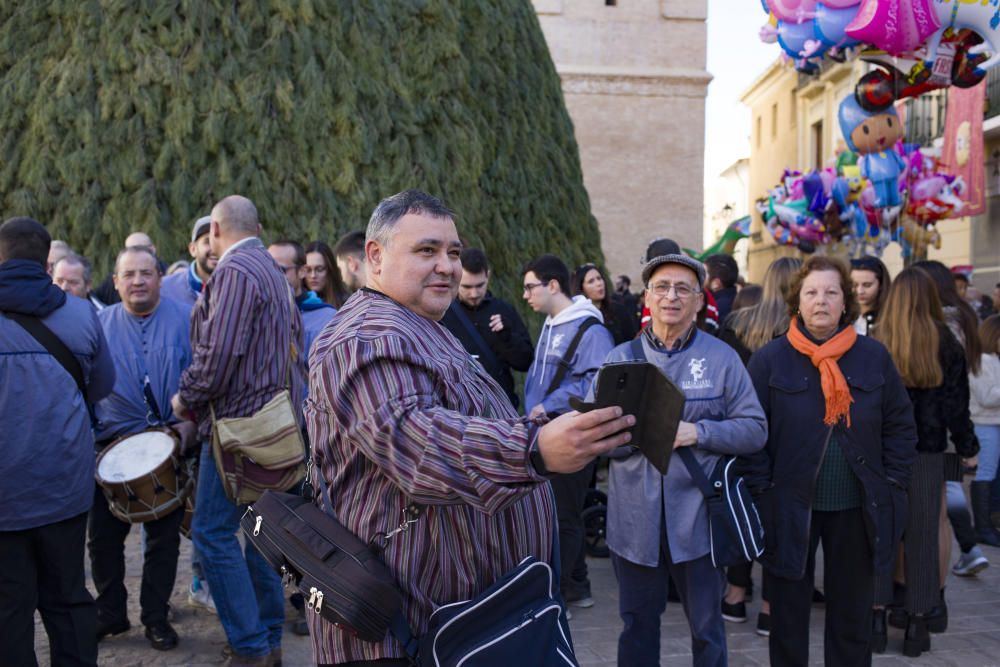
[{"x": 53, "y": 344}]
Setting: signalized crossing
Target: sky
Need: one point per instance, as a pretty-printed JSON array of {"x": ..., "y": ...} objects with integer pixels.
[{"x": 736, "y": 57}]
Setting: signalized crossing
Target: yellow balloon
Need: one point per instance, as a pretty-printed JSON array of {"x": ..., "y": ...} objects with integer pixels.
[{"x": 773, "y": 20}]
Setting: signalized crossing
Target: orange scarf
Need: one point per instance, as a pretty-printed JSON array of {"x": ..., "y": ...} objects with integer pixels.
[{"x": 824, "y": 357}]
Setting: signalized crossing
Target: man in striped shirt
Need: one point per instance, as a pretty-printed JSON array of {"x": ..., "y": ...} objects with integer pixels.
[
  {"x": 398, "y": 413},
  {"x": 242, "y": 330}
]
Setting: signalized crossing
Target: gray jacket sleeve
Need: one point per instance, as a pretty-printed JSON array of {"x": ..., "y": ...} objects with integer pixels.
[{"x": 744, "y": 429}]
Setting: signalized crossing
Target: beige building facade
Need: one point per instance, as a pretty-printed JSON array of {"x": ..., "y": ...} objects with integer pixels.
[{"x": 634, "y": 79}]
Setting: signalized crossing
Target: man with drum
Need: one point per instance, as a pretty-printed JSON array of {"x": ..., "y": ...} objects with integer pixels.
[{"x": 149, "y": 341}]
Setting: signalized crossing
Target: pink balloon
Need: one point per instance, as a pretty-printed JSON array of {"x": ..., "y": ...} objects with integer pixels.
[
  {"x": 926, "y": 188},
  {"x": 895, "y": 26},
  {"x": 794, "y": 11},
  {"x": 841, "y": 4}
]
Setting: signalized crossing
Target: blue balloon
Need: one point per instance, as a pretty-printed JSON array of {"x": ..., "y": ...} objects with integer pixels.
[
  {"x": 792, "y": 37},
  {"x": 767, "y": 10},
  {"x": 830, "y": 24}
]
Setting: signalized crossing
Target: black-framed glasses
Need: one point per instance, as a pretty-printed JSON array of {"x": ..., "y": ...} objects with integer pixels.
[{"x": 530, "y": 287}]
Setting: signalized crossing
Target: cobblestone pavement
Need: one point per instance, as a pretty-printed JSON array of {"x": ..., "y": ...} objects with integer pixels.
[{"x": 972, "y": 640}]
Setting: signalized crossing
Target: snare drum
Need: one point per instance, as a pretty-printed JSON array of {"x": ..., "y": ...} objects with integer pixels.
[{"x": 140, "y": 475}]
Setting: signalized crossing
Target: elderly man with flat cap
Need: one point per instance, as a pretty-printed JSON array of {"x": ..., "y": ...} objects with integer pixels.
[{"x": 658, "y": 524}]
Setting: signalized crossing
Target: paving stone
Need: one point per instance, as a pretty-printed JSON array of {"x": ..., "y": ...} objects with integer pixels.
[{"x": 973, "y": 639}]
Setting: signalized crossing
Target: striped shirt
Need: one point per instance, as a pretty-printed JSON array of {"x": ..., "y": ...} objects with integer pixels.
[
  {"x": 398, "y": 413},
  {"x": 242, "y": 330}
]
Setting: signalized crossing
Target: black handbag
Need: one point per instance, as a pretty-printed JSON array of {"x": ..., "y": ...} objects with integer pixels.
[
  {"x": 340, "y": 577},
  {"x": 521, "y": 616}
]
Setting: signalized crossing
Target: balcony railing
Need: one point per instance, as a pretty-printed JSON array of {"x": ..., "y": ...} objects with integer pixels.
[
  {"x": 925, "y": 117},
  {"x": 993, "y": 93}
]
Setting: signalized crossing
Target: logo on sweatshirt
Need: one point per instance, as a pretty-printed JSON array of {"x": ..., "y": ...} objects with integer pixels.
[
  {"x": 697, "y": 368},
  {"x": 557, "y": 341}
]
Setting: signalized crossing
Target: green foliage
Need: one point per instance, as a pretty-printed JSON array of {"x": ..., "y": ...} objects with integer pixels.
[{"x": 124, "y": 115}]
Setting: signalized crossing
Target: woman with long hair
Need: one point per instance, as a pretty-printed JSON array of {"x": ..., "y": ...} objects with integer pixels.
[
  {"x": 871, "y": 285},
  {"x": 932, "y": 365},
  {"x": 591, "y": 281},
  {"x": 964, "y": 326},
  {"x": 323, "y": 276},
  {"x": 747, "y": 330}
]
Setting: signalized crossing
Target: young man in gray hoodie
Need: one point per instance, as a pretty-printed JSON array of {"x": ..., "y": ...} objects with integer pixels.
[{"x": 562, "y": 370}]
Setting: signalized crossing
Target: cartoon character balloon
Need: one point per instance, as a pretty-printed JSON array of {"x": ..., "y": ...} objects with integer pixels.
[{"x": 873, "y": 137}]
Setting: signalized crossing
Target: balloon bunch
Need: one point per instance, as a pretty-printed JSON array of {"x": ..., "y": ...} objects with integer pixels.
[
  {"x": 807, "y": 30},
  {"x": 794, "y": 211},
  {"x": 816, "y": 210},
  {"x": 919, "y": 45}
]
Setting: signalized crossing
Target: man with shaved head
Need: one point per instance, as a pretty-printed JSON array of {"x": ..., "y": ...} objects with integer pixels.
[{"x": 247, "y": 343}]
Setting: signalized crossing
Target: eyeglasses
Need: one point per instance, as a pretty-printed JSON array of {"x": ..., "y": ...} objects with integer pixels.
[
  {"x": 286, "y": 269},
  {"x": 682, "y": 290},
  {"x": 529, "y": 287}
]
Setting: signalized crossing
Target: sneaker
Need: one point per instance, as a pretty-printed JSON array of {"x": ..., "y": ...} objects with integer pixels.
[
  {"x": 585, "y": 602},
  {"x": 971, "y": 563},
  {"x": 201, "y": 598},
  {"x": 569, "y": 615},
  {"x": 734, "y": 613},
  {"x": 764, "y": 624}
]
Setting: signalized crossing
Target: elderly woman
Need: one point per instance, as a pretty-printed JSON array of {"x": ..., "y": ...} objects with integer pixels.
[{"x": 835, "y": 469}]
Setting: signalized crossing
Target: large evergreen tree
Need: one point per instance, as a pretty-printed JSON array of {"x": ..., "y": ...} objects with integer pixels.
[{"x": 122, "y": 116}]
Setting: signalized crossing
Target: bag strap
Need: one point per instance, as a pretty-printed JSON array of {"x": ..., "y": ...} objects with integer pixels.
[
  {"x": 477, "y": 338},
  {"x": 638, "y": 352},
  {"x": 54, "y": 345},
  {"x": 564, "y": 363},
  {"x": 292, "y": 356},
  {"x": 687, "y": 456},
  {"x": 697, "y": 474}
]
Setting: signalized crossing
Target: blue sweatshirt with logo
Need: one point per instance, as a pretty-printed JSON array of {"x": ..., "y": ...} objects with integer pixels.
[{"x": 557, "y": 333}]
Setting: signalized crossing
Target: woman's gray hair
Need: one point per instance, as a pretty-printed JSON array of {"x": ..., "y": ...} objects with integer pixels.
[{"x": 391, "y": 209}]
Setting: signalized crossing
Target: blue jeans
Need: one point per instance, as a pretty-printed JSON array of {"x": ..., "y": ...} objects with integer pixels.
[
  {"x": 642, "y": 599},
  {"x": 246, "y": 591},
  {"x": 989, "y": 451}
]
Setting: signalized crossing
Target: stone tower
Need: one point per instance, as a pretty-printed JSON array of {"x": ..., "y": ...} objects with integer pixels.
[{"x": 634, "y": 78}]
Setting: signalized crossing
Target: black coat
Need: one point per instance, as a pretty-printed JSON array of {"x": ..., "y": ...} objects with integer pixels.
[
  {"x": 509, "y": 348},
  {"x": 945, "y": 409},
  {"x": 880, "y": 447}
]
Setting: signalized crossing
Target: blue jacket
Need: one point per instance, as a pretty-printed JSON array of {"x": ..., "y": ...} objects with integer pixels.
[
  {"x": 880, "y": 447},
  {"x": 723, "y": 406},
  {"x": 157, "y": 346},
  {"x": 315, "y": 316},
  {"x": 47, "y": 466},
  {"x": 183, "y": 286},
  {"x": 557, "y": 332}
]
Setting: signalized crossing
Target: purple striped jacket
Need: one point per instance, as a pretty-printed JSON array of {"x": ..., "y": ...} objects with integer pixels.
[
  {"x": 242, "y": 328},
  {"x": 398, "y": 412}
]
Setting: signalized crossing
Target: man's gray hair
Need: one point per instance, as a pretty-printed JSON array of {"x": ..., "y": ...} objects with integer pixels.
[
  {"x": 137, "y": 249},
  {"x": 391, "y": 209},
  {"x": 76, "y": 260}
]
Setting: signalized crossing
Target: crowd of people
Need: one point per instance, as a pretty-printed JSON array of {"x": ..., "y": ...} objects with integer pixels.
[{"x": 852, "y": 403}]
